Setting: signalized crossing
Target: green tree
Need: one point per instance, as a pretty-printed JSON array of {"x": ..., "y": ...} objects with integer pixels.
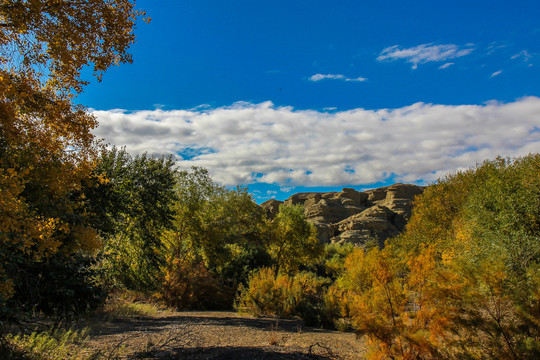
[
  {"x": 131, "y": 207},
  {"x": 293, "y": 240},
  {"x": 216, "y": 237},
  {"x": 210, "y": 220}
]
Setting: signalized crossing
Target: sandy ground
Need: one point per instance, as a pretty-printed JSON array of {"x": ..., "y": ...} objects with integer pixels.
[{"x": 220, "y": 335}]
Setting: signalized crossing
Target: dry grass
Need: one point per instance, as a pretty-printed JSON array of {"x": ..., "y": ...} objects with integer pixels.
[
  {"x": 59, "y": 344},
  {"x": 273, "y": 336},
  {"x": 127, "y": 304},
  {"x": 69, "y": 343}
]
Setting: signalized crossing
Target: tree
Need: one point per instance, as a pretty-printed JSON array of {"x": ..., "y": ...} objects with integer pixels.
[
  {"x": 131, "y": 210},
  {"x": 210, "y": 220},
  {"x": 52, "y": 40},
  {"x": 216, "y": 239},
  {"x": 46, "y": 151},
  {"x": 293, "y": 240},
  {"x": 46, "y": 147}
]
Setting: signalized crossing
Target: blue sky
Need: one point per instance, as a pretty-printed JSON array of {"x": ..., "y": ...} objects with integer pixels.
[{"x": 290, "y": 96}]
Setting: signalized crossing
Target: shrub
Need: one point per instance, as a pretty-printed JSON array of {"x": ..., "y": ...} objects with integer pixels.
[
  {"x": 192, "y": 286},
  {"x": 130, "y": 304},
  {"x": 310, "y": 304},
  {"x": 335, "y": 311},
  {"x": 59, "y": 286},
  {"x": 283, "y": 295},
  {"x": 56, "y": 344}
]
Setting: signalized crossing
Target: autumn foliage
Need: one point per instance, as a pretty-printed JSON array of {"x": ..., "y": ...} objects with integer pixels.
[
  {"x": 462, "y": 281},
  {"x": 47, "y": 151},
  {"x": 269, "y": 293},
  {"x": 192, "y": 286}
]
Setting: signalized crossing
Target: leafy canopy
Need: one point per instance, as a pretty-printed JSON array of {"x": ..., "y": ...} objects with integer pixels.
[
  {"x": 52, "y": 40},
  {"x": 293, "y": 240},
  {"x": 132, "y": 209},
  {"x": 46, "y": 148}
]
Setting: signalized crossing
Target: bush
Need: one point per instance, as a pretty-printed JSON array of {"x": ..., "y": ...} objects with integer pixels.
[
  {"x": 335, "y": 312},
  {"x": 283, "y": 295},
  {"x": 192, "y": 286},
  {"x": 131, "y": 304},
  {"x": 59, "y": 286}
]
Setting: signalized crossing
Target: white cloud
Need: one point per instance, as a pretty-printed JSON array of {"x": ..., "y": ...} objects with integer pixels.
[
  {"x": 522, "y": 54},
  {"x": 424, "y": 53},
  {"x": 319, "y": 77},
  {"x": 248, "y": 143},
  {"x": 525, "y": 55},
  {"x": 496, "y": 73},
  {"x": 447, "y": 65},
  {"x": 494, "y": 47},
  {"x": 356, "y": 79}
]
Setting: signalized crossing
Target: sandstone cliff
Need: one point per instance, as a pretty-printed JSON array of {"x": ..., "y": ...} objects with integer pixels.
[{"x": 353, "y": 216}]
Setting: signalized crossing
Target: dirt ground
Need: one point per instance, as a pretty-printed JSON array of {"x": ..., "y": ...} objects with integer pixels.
[{"x": 220, "y": 335}]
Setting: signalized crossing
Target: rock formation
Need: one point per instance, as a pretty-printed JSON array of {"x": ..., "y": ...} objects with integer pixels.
[{"x": 353, "y": 216}]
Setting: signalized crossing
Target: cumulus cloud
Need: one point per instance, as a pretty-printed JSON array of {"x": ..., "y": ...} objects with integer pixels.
[
  {"x": 424, "y": 53},
  {"x": 319, "y": 77},
  {"x": 260, "y": 143}
]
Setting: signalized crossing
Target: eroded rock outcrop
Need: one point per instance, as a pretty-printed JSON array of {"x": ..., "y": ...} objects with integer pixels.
[
  {"x": 271, "y": 207},
  {"x": 354, "y": 216}
]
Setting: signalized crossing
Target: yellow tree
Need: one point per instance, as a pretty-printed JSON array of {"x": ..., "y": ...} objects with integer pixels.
[{"x": 46, "y": 148}]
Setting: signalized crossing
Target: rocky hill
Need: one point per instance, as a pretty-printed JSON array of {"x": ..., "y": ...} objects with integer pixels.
[{"x": 354, "y": 216}]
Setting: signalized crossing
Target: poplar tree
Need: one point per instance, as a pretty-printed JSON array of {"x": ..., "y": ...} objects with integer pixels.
[{"x": 46, "y": 147}]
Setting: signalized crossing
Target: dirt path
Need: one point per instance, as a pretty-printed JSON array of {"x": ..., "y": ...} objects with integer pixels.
[{"x": 221, "y": 335}]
